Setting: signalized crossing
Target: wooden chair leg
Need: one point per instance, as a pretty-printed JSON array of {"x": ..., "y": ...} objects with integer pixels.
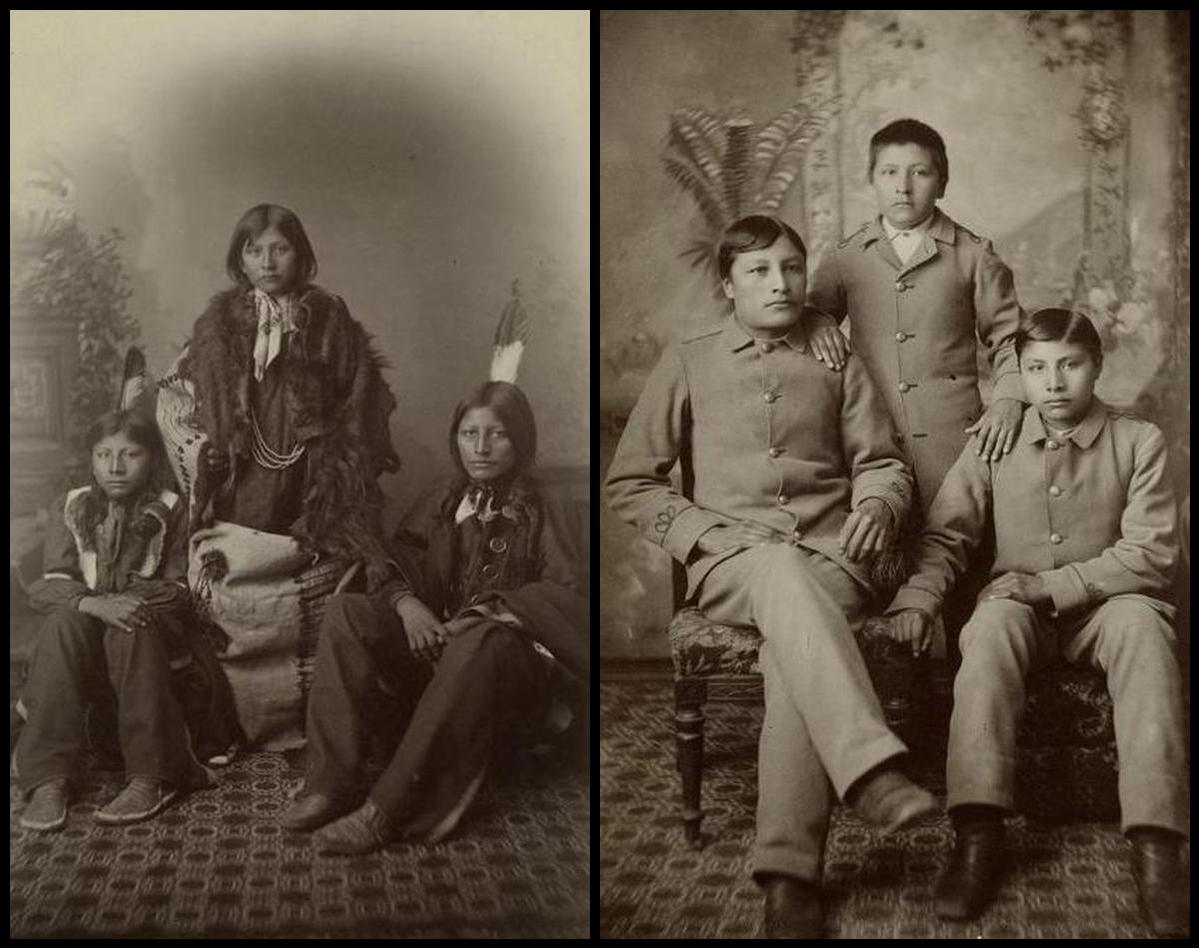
[{"x": 689, "y": 697}]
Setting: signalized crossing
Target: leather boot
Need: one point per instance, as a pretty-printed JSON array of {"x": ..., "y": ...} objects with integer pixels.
[
  {"x": 1162, "y": 884},
  {"x": 890, "y": 801},
  {"x": 971, "y": 879},
  {"x": 792, "y": 908}
]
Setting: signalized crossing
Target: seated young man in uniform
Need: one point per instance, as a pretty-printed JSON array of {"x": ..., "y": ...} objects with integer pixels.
[
  {"x": 798, "y": 484},
  {"x": 1084, "y": 522}
]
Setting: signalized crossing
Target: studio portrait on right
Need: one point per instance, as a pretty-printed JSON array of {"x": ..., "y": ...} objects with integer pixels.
[{"x": 895, "y": 451}]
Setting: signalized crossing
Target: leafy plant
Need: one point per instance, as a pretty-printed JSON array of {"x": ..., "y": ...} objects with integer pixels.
[
  {"x": 83, "y": 280},
  {"x": 730, "y": 171}
]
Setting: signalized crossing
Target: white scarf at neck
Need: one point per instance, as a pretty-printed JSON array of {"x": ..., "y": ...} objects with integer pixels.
[{"x": 275, "y": 317}]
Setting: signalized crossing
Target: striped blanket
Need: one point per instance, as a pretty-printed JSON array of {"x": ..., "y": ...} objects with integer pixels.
[
  {"x": 267, "y": 597},
  {"x": 260, "y": 590}
]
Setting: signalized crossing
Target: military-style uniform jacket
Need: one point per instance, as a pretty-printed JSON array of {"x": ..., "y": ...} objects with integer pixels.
[
  {"x": 915, "y": 325},
  {"x": 765, "y": 433},
  {"x": 1093, "y": 513}
]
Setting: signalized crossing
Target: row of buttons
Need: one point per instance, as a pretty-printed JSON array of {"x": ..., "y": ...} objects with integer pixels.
[{"x": 496, "y": 545}]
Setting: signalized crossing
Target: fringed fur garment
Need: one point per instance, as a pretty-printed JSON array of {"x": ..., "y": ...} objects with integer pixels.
[{"x": 337, "y": 404}]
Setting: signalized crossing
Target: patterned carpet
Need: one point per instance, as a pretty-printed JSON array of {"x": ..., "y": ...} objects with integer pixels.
[
  {"x": 1065, "y": 882},
  {"x": 218, "y": 864}
]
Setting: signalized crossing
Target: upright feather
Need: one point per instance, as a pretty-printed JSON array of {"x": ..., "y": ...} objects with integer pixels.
[
  {"x": 510, "y": 336},
  {"x": 133, "y": 379}
]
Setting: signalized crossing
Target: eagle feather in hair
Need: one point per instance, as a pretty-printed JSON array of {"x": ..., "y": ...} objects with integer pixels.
[
  {"x": 133, "y": 379},
  {"x": 510, "y": 336}
]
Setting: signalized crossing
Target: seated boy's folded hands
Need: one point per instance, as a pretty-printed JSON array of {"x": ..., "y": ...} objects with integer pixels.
[
  {"x": 119, "y": 610},
  {"x": 1027, "y": 588},
  {"x": 913, "y": 627},
  {"x": 425, "y": 632},
  {"x": 743, "y": 533},
  {"x": 867, "y": 530}
]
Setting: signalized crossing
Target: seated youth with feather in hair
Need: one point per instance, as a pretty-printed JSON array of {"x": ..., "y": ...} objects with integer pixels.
[{"x": 478, "y": 637}]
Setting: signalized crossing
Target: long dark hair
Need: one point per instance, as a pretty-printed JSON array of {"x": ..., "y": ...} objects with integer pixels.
[
  {"x": 254, "y": 222},
  {"x": 143, "y": 432},
  {"x": 513, "y": 409}
]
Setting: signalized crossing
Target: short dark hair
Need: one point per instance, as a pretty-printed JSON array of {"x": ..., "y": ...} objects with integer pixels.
[
  {"x": 254, "y": 222},
  {"x": 513, "y": 409},
  {"x": 911, "y": 132},
  {"x": 754, "y": 232},
  {"x": 1060, "y": 325}
]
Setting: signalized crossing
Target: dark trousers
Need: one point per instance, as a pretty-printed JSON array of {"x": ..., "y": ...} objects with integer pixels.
[
  {"x": 74, "y": 655},
  {"x": 487, "y": 683}
]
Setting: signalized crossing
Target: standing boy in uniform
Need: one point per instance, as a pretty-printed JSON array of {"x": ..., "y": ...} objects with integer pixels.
[
  {"x": 1084, "y": 522},
  {"x": 797, "y": 484},
  {"x": 921, "y": 292}
]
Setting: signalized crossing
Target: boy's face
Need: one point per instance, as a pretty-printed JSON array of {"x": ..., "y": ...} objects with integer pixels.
[
  {"x": 121, "y": 466},
  {"x": 483, "y": 443},
  {"x": 906, "y": 184},
  {"x": 1059, "y": 378},
  {"x": 768, "y": 287}
]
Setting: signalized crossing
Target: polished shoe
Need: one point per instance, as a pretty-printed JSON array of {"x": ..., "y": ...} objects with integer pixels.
[
  {"x": 141, "y": 799},
  {"x": 46, "y": 811},
  {"x": 1163, "y": 888},
  {"x": 892, "y": 802},
  {"x": 314, "y": 809},
  {"x": 363, "y": 831},
  {"x": 971, "y": 880},
  {"x": 792, "y": 908}
]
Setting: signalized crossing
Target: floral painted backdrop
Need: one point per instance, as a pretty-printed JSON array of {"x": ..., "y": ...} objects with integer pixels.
[{"x": 1069, "y": 146}]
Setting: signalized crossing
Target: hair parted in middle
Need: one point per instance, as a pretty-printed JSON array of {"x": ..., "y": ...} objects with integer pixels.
[
  {"x": 909, "y": 131},
  {"x": 753, "y": 232},
  {"x": 254, "y": 222},
  {"x": 1055, "y": 324},
  {"x": 513, "y": 409}
]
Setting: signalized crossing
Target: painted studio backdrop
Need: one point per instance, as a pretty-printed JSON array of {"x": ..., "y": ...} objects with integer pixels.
[
  {"x": 1068, "y": 140},
  {"x": 437, "y": 160}
]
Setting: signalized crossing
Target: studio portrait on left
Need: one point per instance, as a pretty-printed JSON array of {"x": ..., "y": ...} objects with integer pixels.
[{"x": 299, "y": 474}]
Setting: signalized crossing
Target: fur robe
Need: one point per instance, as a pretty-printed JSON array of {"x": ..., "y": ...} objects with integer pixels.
[{"x": 337, "y": 404}]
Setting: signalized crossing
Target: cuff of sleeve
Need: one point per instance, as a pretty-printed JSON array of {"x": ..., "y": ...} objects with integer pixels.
[
  {"x": 913, "y": 597},
  {"x": 893, "y": 499},
  {"x": 686, "y": 529},
  {"x": 1066, "y": 588},
  {"x": 1008, "y": 385},
  {"x": 394, "y": 591}
]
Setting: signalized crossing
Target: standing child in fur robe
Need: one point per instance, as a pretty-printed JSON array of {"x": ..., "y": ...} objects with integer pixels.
[
  {"x": 289, "y": 394},
  {"x": 276, "y": 421}
]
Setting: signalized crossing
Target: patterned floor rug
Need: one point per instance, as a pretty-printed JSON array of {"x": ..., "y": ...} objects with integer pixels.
[
  {"x": 218, "y": 864},
  {"x": 1065, "y": 882}
]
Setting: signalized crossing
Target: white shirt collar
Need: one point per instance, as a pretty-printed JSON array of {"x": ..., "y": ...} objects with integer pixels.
[{"x": 892, "y": 231}]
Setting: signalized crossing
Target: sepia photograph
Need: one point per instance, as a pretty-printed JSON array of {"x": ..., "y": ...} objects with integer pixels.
[
  {"x": 893, "y": 359},
  {"x": 300, "y": 484}
]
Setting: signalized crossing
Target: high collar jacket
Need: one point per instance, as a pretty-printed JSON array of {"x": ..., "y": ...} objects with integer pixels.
[
  {"x": 1092, "y": 513},
  {"x": 918, "y": 326},
  {"x": 764, "y": 432}
]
